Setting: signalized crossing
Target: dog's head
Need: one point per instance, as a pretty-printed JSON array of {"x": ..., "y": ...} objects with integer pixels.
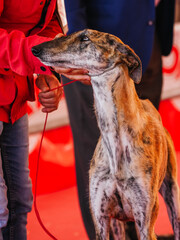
[{"x": 89, "y": 49}]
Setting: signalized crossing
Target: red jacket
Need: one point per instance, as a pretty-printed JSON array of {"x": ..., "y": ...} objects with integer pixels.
[{"x": 17, "y": 63}]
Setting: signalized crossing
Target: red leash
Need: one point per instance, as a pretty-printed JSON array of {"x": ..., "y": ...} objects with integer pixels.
[{"x": 37, "y": 170}]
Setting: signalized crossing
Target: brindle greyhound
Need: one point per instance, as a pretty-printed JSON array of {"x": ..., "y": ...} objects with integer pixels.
[{"x": 134, "y": 157}]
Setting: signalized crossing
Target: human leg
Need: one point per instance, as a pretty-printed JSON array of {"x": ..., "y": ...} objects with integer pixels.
[
  {"x": 15, "y": 164},
  {"x": 3, "y": 193}
]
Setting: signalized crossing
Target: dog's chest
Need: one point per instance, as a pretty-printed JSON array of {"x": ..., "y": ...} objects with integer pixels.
[
  {"x": 118, "y": 154},
  {"x": 118, "y": 186},
  {"x": 118, "y": 197}
]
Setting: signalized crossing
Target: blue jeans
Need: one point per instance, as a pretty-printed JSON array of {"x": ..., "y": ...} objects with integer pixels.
[{"x": 14, "y": 144}]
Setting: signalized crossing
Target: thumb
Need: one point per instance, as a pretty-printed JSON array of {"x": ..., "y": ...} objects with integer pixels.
[{"x": 41, "y": 83}]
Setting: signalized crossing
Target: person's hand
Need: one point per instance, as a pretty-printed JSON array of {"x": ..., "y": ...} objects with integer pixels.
[
  {"x": 75, "y": 74},
  {"x": 49, "y": 99}
]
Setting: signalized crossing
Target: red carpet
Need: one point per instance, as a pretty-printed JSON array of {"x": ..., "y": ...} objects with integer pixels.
[{"x": 60, "y": 214}]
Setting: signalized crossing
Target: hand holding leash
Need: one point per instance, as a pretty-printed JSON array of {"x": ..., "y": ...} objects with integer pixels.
[{"x": 49, "y": 99}]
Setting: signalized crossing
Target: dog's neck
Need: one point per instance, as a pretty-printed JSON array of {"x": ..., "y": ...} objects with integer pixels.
[
  {"x": 116, "y": 106},
  {"x": 126, "y": 99}
]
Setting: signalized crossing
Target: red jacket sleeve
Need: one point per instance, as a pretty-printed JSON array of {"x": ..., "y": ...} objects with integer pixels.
[{"x": 16, "y": 53}]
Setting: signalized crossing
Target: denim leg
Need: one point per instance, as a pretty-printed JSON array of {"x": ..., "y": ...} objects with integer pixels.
[
  {"x": 3, "y": 193},
  {"x": 15, "y": 144}
]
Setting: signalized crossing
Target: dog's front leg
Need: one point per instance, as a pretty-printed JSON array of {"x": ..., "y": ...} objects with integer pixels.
[
  {"x": 145, "y": 219},
  {"x": 99, "y": 204},
  {"x": 117, "y": 229},
  {"x": 144, "y": 207}
]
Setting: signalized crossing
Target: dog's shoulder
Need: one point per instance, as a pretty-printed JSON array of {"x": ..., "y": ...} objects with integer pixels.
[
  {"x": 155, "y": 123},
  {"x": 150, "y": 109}
]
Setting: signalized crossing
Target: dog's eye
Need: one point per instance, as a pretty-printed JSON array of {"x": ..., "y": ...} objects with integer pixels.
[{"x": 84, "y": 38}]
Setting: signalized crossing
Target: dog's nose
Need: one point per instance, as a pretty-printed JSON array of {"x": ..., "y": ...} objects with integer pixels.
[{"x": 36, "y": 51}]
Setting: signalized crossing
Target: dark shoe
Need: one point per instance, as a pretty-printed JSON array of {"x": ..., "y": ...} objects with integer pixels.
[{"x": 166, "y": 237}]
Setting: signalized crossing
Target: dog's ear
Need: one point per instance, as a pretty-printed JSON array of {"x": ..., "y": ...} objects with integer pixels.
[{"x": 133, "y": 62}]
